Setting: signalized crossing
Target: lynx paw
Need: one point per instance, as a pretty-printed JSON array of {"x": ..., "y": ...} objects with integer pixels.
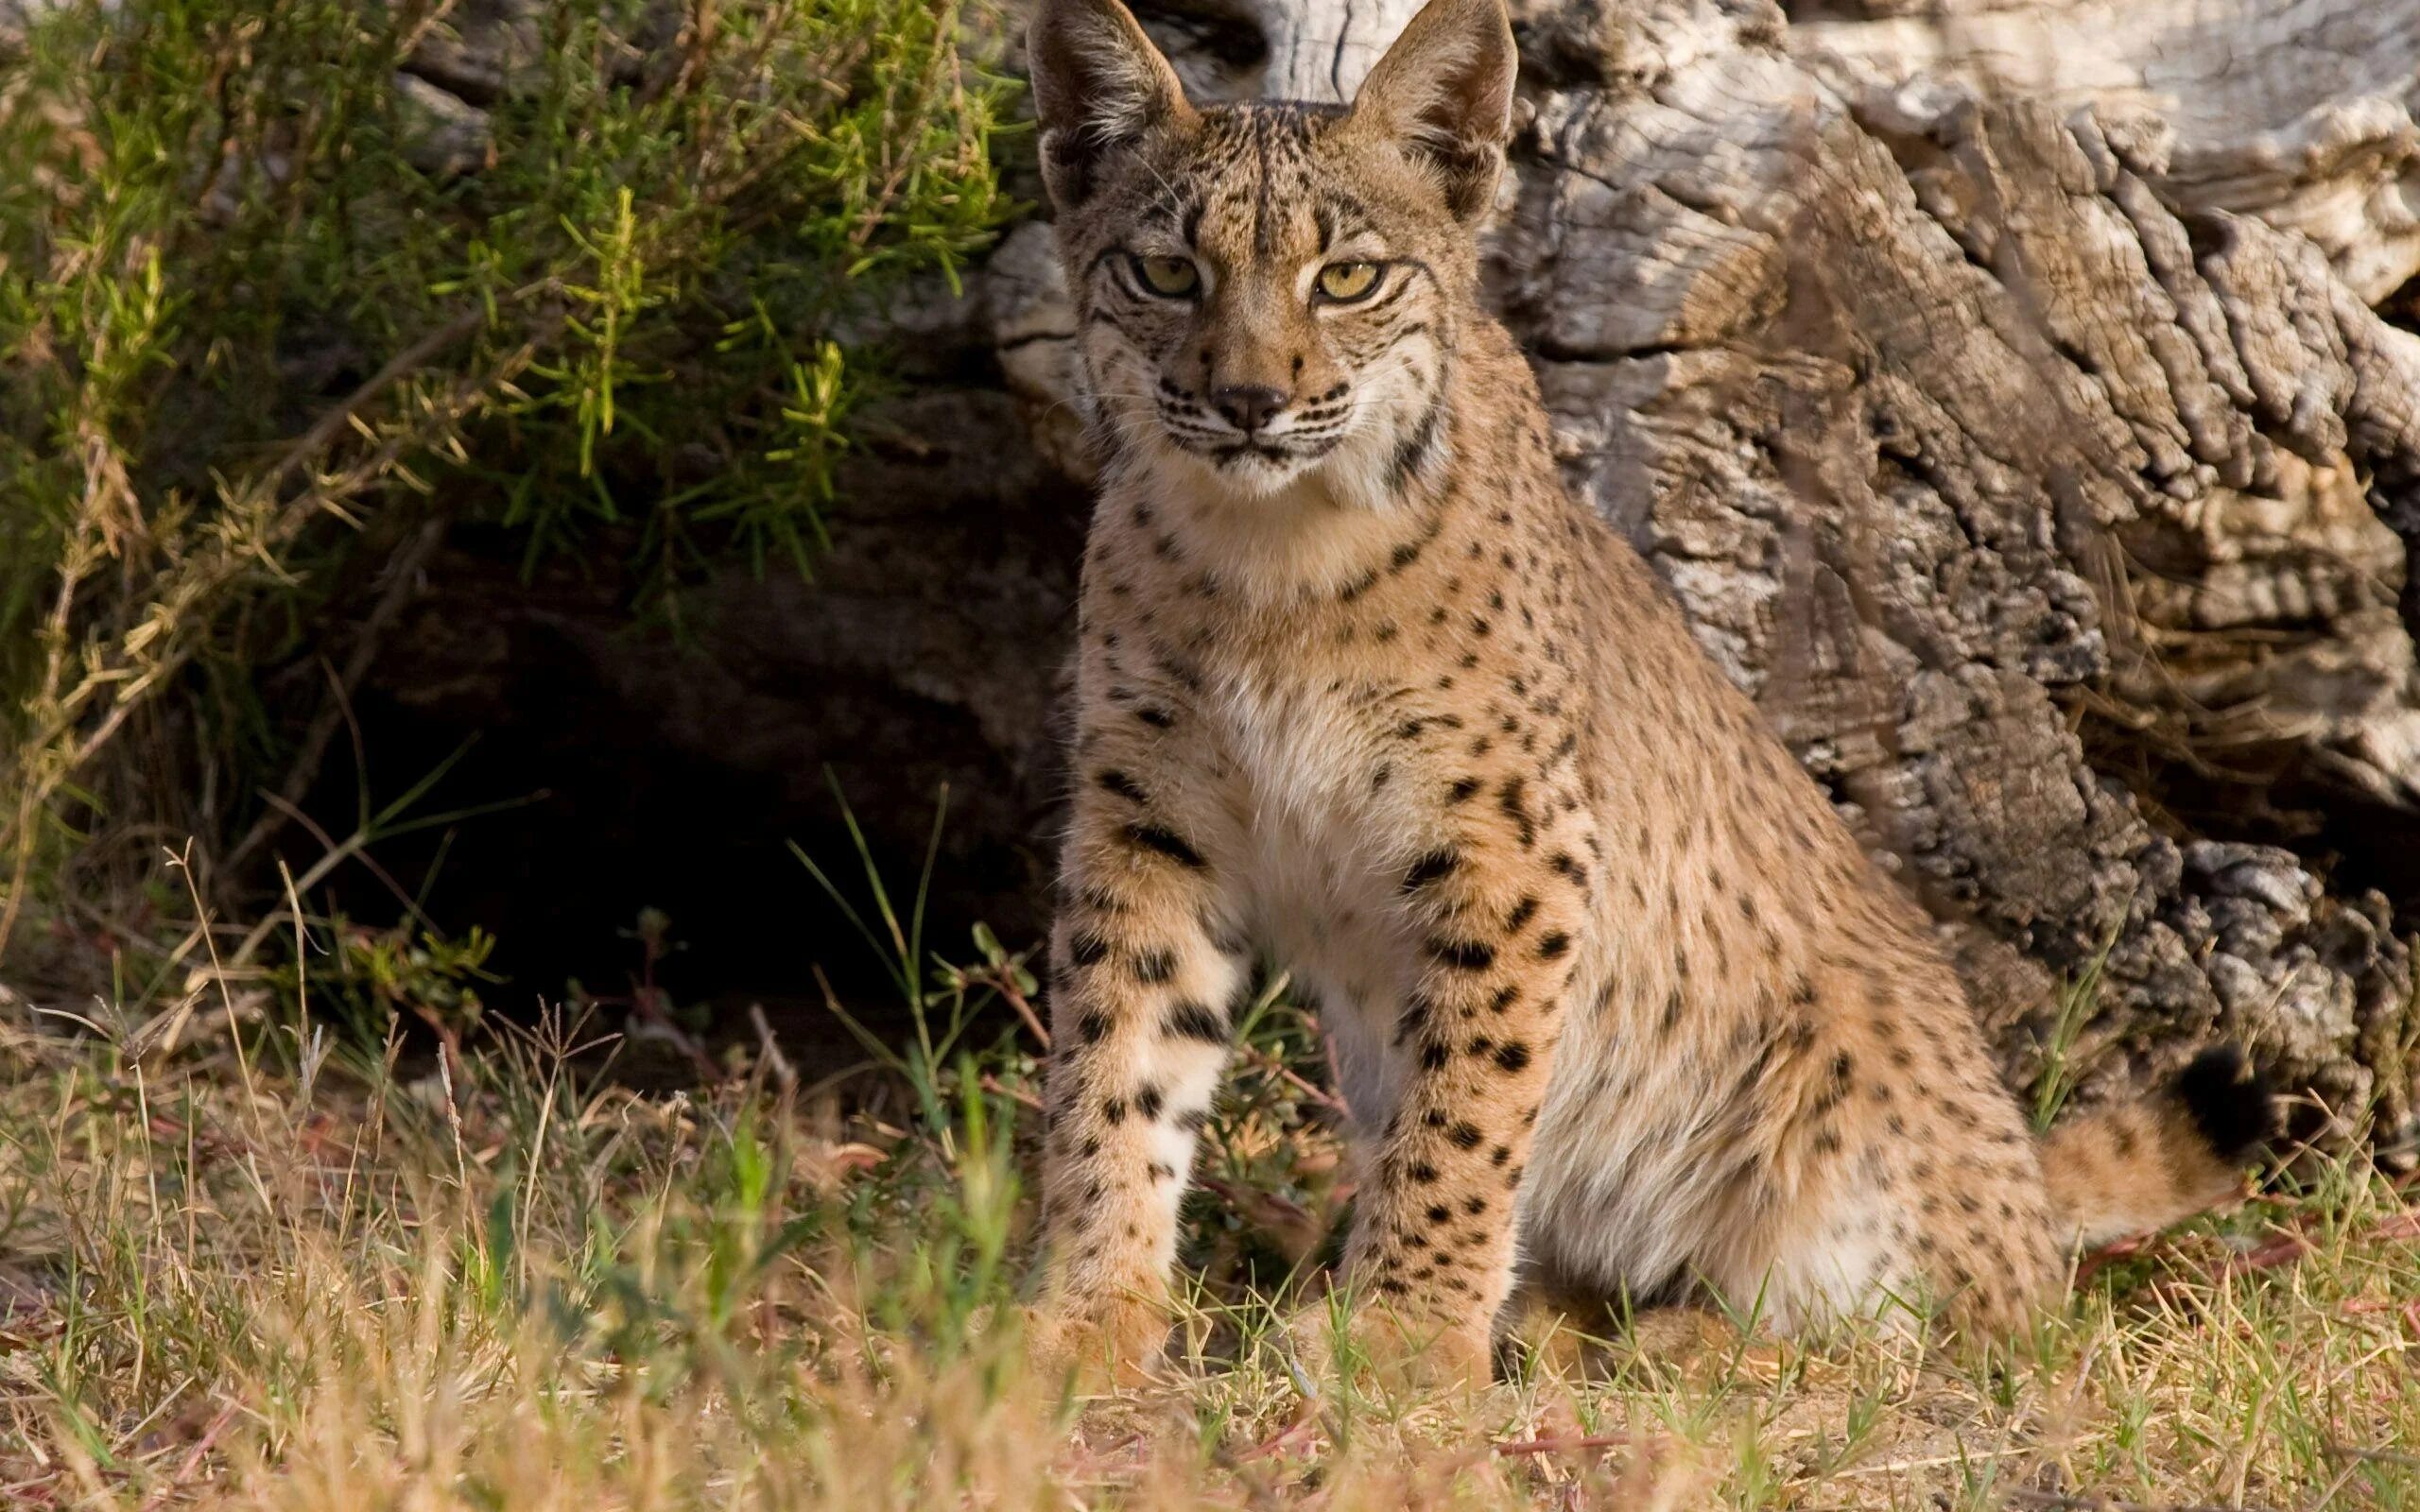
[
  {"x": 1395, "y": 1349},
  {"x": 1102, "y": 1347}
]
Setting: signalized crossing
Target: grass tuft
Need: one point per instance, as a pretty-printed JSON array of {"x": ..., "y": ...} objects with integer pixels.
[{"x": 275, "y": 1268}]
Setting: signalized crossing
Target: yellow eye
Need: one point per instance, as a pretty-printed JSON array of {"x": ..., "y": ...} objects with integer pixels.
[
  {"x": 1168, "y": 277},
  {"x": 1347, "y": 282}
]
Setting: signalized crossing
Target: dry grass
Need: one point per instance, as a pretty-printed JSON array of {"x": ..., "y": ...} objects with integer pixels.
[{"x": 264, "y": 1272}]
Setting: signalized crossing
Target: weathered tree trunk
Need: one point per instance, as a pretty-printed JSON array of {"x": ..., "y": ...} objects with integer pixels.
[{"x": 2000, "y": 387}]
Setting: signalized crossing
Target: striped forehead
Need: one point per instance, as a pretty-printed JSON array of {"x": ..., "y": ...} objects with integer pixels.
[{"x": 1262, "y": 186}]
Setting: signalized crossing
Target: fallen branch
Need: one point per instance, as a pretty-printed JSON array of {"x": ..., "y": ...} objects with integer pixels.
[{"x": 1565, "y": 1446}]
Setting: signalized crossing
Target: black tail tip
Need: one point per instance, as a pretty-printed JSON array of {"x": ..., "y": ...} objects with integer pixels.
[{"x": 2230, "y": 1102}]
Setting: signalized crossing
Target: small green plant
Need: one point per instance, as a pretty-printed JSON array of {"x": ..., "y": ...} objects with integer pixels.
[
  {"x": 373, "y": 976},
  {"x": 2061, "y": 1073},
  {"x": 943, "y": 1001}
]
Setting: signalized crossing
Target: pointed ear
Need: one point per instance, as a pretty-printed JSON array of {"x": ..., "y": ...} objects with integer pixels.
[
  {"x": 1099, "y": 85},
  {"x": 1444, "y": 94}
]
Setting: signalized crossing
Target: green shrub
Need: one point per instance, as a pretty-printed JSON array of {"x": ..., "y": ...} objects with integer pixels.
[{"x": 267, "y": 309}]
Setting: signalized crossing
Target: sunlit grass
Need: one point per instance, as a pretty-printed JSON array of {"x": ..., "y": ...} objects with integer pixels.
[{"x": 508, "y": 1282}]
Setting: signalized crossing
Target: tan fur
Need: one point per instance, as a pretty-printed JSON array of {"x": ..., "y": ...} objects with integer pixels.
[
  {"x": 1619, "y": 1001},
  {"x": 2130, "y": 1169}
]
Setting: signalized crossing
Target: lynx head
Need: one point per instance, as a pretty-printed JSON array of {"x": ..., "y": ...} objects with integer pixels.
[{"x": 1269, "y": 293}]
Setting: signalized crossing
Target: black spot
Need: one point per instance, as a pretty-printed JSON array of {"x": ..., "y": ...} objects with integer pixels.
[
  {"x": 1510, "y": 800},
  {"x": 1091, "y": 1027},
  {"x": 1190, "y": 1018},
  {"x": 1463, "y": 788},
  {"x": 1155, "y": 966},
  {"x": 1463, "y": 954},
  {"x": 1522, "y": 913},
  {"x": 1499, "y": 1155},
  {"x": 1466, "y": 1135},
  {"x": 1505, "y": 997},
  {"x": 1513, "y": 1056},
  {"x": 1553, "y": 945},
  {"x": 1114, "y": 1111},
  {"x": 1123, "y": 785},
  {"x": 1166, "y": 843},
  {"x": 1156, "y": 718},
  {"x": 1422, "y": 1173},
  {"x": 1086, "y": 948},
  {"x": 1428, "y": 868},
  {"x": 1440, "y": 1213},
  {"x": 1432, "y": 1056},
  {"x": 1148, "y": 1102}
]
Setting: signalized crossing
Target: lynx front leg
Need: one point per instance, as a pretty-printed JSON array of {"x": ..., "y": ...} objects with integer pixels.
[
  {"x": 1433, "y": 1241},
  {"x": 1146, "y": 973}
]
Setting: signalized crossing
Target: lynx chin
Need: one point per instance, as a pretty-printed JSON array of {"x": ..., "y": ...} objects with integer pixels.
[{"x": 1622, "y": 1008}]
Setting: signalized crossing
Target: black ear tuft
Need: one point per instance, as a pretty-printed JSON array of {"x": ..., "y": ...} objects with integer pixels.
[
  {"x": 2230, "y": 1102},
  {"x": 1099, "y": 85}
]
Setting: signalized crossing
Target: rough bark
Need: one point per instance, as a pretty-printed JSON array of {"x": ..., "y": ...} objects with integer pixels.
[{"x": 2009, "y": 414}]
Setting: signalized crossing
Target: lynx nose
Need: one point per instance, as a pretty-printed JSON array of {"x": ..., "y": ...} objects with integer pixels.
[{"x": 1248, "y": 407}]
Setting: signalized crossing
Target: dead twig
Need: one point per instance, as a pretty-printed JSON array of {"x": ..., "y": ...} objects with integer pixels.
[
  {"x": 1568, "y": 1445},
  {"x": 2057, "y": 1501},
  {"x": 2371, "y": 1456},
  {"x": 1016, "y": 1094}
]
